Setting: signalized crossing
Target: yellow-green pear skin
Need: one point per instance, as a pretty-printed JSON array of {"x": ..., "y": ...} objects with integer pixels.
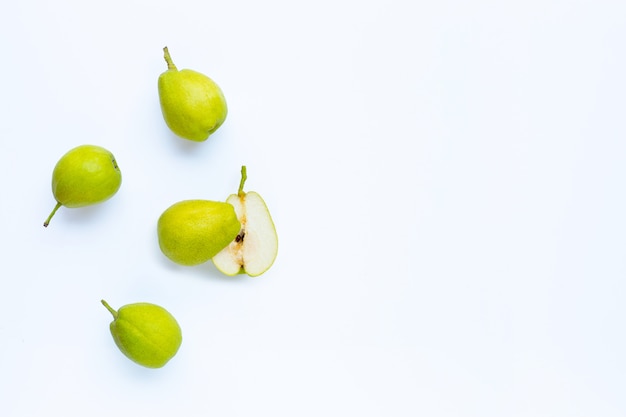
[
  {"x": 146, "y": 333},
  {"x": 255, "y": 248},
  {"x": 193, "y": 105},
  {"x": 191, "y": 232},
  {"x": 85, "y": 175}
]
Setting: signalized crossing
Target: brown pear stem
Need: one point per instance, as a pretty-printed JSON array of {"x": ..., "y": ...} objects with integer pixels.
[
  {"x": 47, "y": 222},
  {"x": 168, "y": 59},
  {"x": 244, "y": 177},
  {"x": 113, "y": 312}
]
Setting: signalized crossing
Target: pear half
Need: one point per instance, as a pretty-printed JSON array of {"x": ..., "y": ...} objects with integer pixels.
[{"x": 255, "y": 248}]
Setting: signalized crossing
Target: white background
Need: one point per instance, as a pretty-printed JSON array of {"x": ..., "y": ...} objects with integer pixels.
[{"x": 447, "y": 180}]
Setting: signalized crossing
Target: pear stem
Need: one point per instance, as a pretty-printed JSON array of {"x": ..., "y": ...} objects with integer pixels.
[
  {"x": 104, "y": 303},
  {"x": 168, "y": 59},
  {"x": 47, "y": 222},
  {"x": 244, "y": 177}
]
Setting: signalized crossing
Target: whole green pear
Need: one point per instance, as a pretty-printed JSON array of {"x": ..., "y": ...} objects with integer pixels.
[
  {"x": 191, "y": 232},
  {"x": 85, "y": 175},
  {"x": 192, "y": 104},
  {"x": 146, "y": 333}
]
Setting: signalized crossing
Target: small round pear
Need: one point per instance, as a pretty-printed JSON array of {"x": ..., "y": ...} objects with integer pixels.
[
  {"x": 193, "y": 105},
  {"x": 85, "y": 175},
  {"x": 146, "y": 333},
  {"x": 191, "y": 232}
]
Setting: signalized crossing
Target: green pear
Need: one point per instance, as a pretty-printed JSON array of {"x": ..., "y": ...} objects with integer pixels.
[
  {"x": 256, "y": 246},
  {"x": 85, "y": 175},
  {"x": 146, "y": 333},
  {"x": 192, "y": 104},
  {"x": 191, "y": 232}
]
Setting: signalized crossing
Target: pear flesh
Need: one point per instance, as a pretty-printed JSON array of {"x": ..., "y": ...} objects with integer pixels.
[
  {"x": 191, "y": 232},
  {"x": 256, "y": 246},
  {"x": 145, "y": 333},
  {"x": 192, "y": 104}
]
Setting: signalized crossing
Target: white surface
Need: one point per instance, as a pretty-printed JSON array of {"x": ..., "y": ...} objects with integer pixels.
[{"x": 447, "y": 180}]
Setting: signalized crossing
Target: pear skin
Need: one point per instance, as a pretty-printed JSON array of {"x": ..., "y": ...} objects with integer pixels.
[
  {"x": 145, "y": 333},
  {"x": 191, "y": 232},
  {"x": 84, "y": 176},
  {"x": 192, "y": 104}
]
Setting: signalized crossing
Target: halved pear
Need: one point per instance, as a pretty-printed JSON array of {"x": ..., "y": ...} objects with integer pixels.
[{"x": 255, "y": 248}]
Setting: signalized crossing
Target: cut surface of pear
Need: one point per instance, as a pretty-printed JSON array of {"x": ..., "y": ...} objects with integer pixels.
[
  {"x": 255, "y": 248},
  {"x": 192, "y": 104}
]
